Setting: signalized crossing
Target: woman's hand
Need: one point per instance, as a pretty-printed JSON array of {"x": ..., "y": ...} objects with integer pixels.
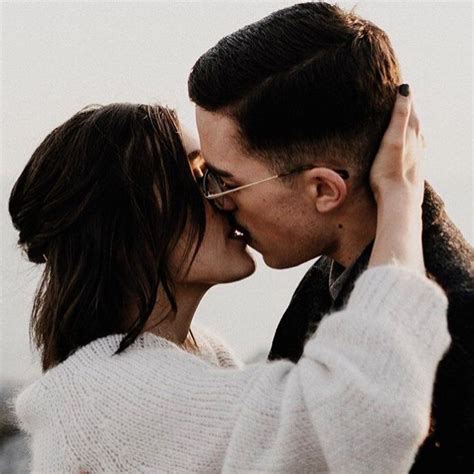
[
  {"x": 397, "y": 165},
  {"x": 397, "y": 183}
]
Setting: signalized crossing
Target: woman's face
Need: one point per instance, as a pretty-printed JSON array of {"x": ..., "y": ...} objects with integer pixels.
[{"x": 222, "y": 257}]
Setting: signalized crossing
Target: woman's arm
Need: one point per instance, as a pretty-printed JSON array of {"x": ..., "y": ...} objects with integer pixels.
[{"x": 357, "y": 401}]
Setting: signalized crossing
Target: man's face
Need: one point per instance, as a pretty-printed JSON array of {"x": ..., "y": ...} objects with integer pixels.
[{"x": 278, "y": 217}]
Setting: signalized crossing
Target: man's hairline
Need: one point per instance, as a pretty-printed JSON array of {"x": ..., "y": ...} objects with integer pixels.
[{"x": 240, "y": 139}]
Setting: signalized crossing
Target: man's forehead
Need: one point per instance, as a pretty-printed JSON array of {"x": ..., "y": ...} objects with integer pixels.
[
  {"x": 215, "y": 123},
  {"x": 220, "y": 144},
  {"x": 217, "y": 132}
]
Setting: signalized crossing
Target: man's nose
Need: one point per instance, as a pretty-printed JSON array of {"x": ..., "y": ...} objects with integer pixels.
[
  {"x": 227, "y": 204},
  {"x": 230, "y": 217}
]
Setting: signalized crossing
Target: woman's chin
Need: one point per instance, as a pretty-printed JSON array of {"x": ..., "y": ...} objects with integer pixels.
[
  {"x": 223, "y": 266},
  {"x": 250, "y": 266},
  {"x": 238, "y": 269}
]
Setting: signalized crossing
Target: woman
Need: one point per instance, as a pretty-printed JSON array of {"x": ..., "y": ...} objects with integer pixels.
[{"x": 109, "y": 204}]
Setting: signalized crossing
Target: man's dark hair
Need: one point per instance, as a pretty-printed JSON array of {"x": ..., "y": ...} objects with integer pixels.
[{"x": 308, "y": 80}]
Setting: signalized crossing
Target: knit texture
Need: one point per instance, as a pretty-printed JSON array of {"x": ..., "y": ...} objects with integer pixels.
[
  {"x": 449, "y": 260},
  {"x": 358, "y": 400}
]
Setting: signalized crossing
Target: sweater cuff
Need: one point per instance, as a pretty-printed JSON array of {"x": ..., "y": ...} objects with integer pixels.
[{"x": 399, "y": 294}]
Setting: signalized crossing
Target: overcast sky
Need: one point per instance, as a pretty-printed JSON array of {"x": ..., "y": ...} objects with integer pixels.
[{"x": 58, "y": 57}]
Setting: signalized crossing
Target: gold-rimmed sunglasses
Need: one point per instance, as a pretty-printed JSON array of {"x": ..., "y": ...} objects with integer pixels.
[{"x": 215, "y": 189}]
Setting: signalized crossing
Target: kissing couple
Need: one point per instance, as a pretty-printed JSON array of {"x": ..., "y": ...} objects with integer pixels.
[{"x": 309, "y": 146}]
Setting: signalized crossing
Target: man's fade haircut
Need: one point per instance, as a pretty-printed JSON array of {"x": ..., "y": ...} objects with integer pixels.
[{"x": 308, "y": 80}]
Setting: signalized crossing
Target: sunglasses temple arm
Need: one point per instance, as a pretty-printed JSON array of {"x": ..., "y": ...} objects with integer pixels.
[{"x": 230, "y": 191}]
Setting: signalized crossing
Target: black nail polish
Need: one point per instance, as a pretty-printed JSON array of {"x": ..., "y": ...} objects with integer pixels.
[{"x": 404, "y": 90}]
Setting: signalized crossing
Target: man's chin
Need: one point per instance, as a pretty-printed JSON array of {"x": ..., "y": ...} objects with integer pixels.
[
  {"x": 277, "y": 262},
  {"x": 268, "y": 258},
  {"x": 280, "y": 261}
]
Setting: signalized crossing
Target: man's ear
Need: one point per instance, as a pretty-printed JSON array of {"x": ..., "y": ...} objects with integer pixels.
[{"x": 326, "y": 187}]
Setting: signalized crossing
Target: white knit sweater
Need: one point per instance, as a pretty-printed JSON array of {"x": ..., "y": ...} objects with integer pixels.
[{"x": 358, "y": 401}]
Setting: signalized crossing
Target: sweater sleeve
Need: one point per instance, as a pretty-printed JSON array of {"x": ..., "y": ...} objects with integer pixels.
[{"x": 358, "y": 401}]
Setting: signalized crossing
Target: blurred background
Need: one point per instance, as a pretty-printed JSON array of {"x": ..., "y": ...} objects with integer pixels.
[{"x": 59, "y": 57}]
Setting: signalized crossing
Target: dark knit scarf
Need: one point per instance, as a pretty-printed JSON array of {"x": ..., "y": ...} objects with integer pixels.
[{"x": 449, "y": 259}]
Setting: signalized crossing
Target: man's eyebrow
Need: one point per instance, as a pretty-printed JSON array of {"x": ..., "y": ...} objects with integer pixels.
[{"x": 218, "y": 171}]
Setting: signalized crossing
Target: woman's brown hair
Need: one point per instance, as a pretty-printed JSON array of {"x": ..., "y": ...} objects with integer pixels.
[{"x": 102, "y": 202}]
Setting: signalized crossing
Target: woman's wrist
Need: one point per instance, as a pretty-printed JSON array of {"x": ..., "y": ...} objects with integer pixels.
[
  {"x": 390, "y": 191},
  {"x": 398, "y": 235},
  {"x": 392, "y": 251},
  {"x": 398, "y": 207}
]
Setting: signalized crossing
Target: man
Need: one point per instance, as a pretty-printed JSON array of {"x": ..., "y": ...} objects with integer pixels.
[{"x": 290, "y": 112}]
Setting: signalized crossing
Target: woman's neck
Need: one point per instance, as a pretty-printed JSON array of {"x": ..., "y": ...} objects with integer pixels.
[{"x": 175, "y": 326}]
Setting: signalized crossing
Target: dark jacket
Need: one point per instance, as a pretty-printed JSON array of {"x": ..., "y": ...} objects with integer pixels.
[{"x": 449, "y": 259}]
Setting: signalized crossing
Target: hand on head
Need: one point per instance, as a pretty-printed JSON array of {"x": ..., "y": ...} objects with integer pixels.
[
  {"x": 397, "y": 165},
  {"x": 397, "y": 182}
]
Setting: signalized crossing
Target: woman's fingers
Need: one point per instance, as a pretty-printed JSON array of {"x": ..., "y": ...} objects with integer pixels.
[
  {"x": 394, "y": 137},
  {"x": 388, "y": 163},
  {"x": 413, "y": 121},
  {"x": 397, "y": 164},
  {"x": 414, "y": 124}
]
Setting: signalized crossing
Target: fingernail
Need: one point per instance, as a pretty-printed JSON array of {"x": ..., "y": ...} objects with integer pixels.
[{"x": 404, "y": 90}]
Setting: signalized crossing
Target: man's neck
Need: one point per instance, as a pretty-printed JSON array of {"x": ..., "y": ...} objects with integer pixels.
[{"x": 355, "y": 231}]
